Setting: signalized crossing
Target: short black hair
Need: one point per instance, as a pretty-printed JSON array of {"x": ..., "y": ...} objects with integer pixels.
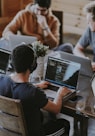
[
  {"x": 43, "y": 3},
  {"x": 22, "y": 58}
]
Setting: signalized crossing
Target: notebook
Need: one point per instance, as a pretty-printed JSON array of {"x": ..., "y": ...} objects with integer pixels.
[
  {"x": 61, "y": 72},
  {"x": 4, "y": 59},
  {"x": 16, "y": 40}
]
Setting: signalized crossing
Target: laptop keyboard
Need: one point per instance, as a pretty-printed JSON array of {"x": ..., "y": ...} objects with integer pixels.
[
  {"x": 51, "y": 92},
  {"x": 52, "y": 87}
]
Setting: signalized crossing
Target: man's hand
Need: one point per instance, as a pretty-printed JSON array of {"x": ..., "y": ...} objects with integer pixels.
[
  {"x": 63, "y": 91},
  {"x": 93, "y": 66},
  {"x": 42, "y": 21},
  {"x": 42, "y": 84}
]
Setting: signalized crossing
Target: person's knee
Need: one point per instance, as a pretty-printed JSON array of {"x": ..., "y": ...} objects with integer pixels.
[{"x": 66, "y": 47}]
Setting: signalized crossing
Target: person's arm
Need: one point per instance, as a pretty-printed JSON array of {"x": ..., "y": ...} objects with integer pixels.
[
  {"x": 79, "y": 50},
  {"x": 83, "y": 43},
  {"x": 42, "y": 84},
  {"x": 13, "y": 26},
  {"x": 50, "y": 35},
  {"x": 22, "y": 23},
  {"x": 93, "y": 66},
  {"x": 56, "y": 105}
]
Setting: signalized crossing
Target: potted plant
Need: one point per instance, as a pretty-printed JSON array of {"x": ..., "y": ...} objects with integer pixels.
[{"x": 41, "y": 51}]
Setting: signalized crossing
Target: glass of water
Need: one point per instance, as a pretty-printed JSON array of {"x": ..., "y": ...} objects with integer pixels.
[{"x": 80, "y": 106}]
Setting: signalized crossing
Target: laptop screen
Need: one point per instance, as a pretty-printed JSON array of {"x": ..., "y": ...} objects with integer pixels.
[
  {"x": 86, "y": 68},
  {"x": 15, "y": 40},
  {"x": 4, "y": 58},
  {"x": 62, "y": 72}
]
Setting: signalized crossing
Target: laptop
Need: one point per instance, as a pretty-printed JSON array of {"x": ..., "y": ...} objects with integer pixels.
[
  {"x": 61, "y": 72},
  {"x": 86, "y": 68},
  {"x": 4, "y": 60},
  {"x": 16, "y": 40}
]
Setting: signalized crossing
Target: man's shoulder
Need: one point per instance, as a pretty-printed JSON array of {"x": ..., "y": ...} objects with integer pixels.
[
  {"x": 24, "y": 13},
  {"x": 5, "y": 80},
  {"x": 52, "y": 17},
  {"x": 3, "y": 77}
]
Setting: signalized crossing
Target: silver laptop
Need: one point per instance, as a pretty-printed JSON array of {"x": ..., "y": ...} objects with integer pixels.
[
  {"x": 86, "y": 68},
  {"x": 15, "y": 40},
  {"x": 4, "y": 59},
  {"x": 61, "y": 72}
]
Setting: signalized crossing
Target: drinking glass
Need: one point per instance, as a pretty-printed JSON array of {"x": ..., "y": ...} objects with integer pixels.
[{"x": 80, "y": 106}]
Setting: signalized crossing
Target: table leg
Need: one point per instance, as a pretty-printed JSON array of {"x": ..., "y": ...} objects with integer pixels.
[
  {"x": 76, "y": 127},
  {"x": 84, "y": 126},
  {"x": 80, "y": 126}
]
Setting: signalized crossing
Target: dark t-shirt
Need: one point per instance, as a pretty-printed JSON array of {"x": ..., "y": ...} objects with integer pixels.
[
  {"x": 32, "y": 100},
  {"x": 88, "y": 39}
]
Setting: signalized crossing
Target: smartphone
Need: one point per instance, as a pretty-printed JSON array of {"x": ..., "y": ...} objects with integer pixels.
[{"x": 75, "y": 98}]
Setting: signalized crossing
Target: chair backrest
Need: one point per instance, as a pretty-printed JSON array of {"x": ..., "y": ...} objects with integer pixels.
[
  {"x": 59, "y": 15},
  {"x": 3, "y": 23},
  {"x": 12, "y": 121}
]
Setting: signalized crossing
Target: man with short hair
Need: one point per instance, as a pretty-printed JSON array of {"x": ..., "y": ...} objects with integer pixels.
[
  {"x": 32, "y": 97},
  {"x": 88, "y": 38},
  {"x": 36, "y": 20}
]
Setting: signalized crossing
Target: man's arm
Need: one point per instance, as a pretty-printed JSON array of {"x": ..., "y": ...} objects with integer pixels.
[
  {"x": 50, "y": 36},
  {"x": 56, "y": 105},
  {"x": 13, "y": 26},
  {"x": 79, "y": 50}
]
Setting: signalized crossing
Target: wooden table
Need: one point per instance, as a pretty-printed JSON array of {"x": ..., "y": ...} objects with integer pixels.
[{"x": 81, "y": 116}]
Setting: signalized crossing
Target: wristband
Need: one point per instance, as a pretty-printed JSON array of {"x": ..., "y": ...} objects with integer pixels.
[{"x": 46, "y": 28}]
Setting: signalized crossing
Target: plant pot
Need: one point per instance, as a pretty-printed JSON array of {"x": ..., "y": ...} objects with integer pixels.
[{"x": 38, "y": 73}]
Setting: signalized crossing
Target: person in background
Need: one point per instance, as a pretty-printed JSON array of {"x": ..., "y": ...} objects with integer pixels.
[
  {"x": 33, "y": 98},
  {"x": 88, "y": 37},
  {"x": 36, "y": 20},
  {"x": 65, "y": 47}
]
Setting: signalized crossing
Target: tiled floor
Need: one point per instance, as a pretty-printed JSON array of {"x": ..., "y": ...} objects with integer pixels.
[{"x": 91, "y": 122}]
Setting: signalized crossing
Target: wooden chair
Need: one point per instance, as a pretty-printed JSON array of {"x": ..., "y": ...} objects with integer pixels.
[
  {"x": 12, "y": 121},
  {"x": 3, "y": 22},
  {"x": 59, "y": 15}
]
